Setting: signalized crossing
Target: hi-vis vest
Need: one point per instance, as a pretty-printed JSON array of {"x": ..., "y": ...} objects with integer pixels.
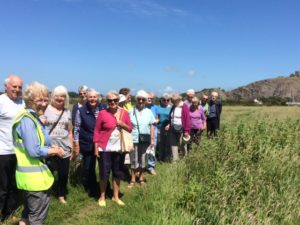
[{"x": 31, "y": 173}]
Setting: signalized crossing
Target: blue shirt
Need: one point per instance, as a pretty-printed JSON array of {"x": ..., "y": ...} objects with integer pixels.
[
  {"x": 163, "y": 115},
  {"x": 145, "y": 118},
  {"x": 28, "y": 133}
]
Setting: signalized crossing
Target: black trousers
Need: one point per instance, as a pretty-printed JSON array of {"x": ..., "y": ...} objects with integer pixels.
[
  {"x": 63, "y": 166},
  {"x": 8, "y": 189},
  {"x": 212, "y": 127},
  {"x": 89, "y": 174}
]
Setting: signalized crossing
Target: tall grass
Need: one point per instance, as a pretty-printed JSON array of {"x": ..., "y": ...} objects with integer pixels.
[{"x": 249, "y": 174}]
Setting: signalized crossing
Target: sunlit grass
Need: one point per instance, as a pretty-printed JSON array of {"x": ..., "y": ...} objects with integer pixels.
[{"x": 248, "y": 175}]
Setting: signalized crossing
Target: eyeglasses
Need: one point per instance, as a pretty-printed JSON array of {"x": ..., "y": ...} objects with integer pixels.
[
  {"x": 115, "y": 100},
  {"x": 141, "y": 99},
  {"x": 166, "y": 100}
]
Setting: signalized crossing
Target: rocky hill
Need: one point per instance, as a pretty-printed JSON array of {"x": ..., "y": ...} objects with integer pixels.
[{"x": 283, "y": 87}]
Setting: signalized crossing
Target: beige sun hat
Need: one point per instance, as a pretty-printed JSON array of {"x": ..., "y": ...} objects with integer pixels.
[{"x": 186, "y": 138}]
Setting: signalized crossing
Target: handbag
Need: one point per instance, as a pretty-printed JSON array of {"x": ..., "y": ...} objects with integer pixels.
[
  {"x": 126, "y": 139},
  {"x": 143, "y": 138},
  {"x": 52, "y": 161}
]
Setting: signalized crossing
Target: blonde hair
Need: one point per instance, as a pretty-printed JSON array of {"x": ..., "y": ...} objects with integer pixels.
[
  {"x": 214, "y": 93},
  {"x": 176, "y": 97},
  {"x": 195, "y": 99},
  {"x": 33, "y": 91},
  {"x": 60, "y": 90}
]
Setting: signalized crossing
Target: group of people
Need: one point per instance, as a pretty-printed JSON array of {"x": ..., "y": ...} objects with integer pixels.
[{"x": 39, "y": 134}]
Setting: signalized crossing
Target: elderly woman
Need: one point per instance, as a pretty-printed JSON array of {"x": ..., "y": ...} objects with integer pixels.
[
  {"x": 82, "y": 95},
  {"x": 107, "y": 139},
  {"x": 32, "y": 144},
  {"x": 179, "y": 125},
  {"x": 58, "y": 123},
  {"x": 163, "y": 143},
  {"x": 198, "y": 122},
  {"x": 85, "y": 122},
  {"x": 142, "y": 120}
]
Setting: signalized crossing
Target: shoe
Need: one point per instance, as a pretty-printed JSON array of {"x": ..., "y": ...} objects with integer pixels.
[
  {"x": 62, "y": 200},
  {"x": 102, "y": 203},
  {"x": 131, "y": 184},
  {"x": 152, "y": 172},
  {"x": 119, "y": 202},
  {"x": 142, "y": 182}
]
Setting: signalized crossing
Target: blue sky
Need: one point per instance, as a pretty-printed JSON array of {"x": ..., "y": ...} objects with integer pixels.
[{"x": 156, "y": 45}]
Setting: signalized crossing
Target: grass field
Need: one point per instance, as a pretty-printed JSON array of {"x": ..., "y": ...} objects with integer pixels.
[{"x": 250, "y": 174}]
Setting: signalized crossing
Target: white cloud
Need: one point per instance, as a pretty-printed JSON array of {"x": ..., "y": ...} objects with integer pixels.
[
  {"x": 191, "y": 73},
  {"x": 142, "y": 7}
]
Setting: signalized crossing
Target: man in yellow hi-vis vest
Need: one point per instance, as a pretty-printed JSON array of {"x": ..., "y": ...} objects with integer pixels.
[{"x": 31, "y": 144}]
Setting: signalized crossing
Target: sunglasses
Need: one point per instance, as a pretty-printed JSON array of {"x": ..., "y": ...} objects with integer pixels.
[
  {"x": 141, "y": 99},
  {"x": 166, "y": 100},
  {"x": 115, "y": 100}
]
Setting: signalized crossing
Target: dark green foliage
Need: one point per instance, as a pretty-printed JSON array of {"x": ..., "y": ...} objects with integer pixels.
[{"x": 249, "y": 174}]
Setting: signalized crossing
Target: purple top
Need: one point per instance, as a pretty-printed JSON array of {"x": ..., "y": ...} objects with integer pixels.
[{"x": 197, "y": 118}]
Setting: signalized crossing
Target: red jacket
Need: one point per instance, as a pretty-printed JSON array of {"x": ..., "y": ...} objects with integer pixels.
[{"x": 105, "y": 124}]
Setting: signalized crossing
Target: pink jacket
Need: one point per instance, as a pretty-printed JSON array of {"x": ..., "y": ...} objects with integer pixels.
[{"x": 105, "y": 124}]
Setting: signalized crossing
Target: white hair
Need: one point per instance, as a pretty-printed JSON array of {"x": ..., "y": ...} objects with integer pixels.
[
  {"x": 93, "y": 91},
  {"x": 142, "y": 94},
  {"x": 190, "y": 91},
  {"x": 60, "y": 90}
]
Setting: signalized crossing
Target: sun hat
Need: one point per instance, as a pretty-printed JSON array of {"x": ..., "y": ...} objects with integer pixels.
[
  {"x": 186, "y": 138},
  {"x": 122, "y": 98}
]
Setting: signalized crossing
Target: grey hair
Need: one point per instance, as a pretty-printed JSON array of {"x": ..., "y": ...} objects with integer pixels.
[
  {"x": 82, "y": 88},
  {"x": 91, "y": 91},
  {"x": 112, "y": 92},
  {"x": 60, "y": 90}
]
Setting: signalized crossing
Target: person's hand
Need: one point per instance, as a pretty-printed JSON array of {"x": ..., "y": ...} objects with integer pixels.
[
  {"x": 71, "y": 157},
  {"x": 167, "y": 127},
  {"x": 96, "y": 152},
  {"x": 59, "y": 151},
  {"x": 121, "y": 124},
  {"x": 76, "y": 149}
]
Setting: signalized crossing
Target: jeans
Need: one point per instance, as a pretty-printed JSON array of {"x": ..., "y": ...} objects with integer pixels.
[{"x": 151, "y": 158}]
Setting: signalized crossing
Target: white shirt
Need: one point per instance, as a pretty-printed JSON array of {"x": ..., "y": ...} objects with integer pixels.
[
  {"x": 176, "y": 117},
  {"x": 8, "y": 111}
]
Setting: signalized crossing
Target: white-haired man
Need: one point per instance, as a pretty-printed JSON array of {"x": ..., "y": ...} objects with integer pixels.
[
  {"x": 213, "y": 115},
  {"x": 10, "y": 104},
  {"x": 190, "y": 94}
]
